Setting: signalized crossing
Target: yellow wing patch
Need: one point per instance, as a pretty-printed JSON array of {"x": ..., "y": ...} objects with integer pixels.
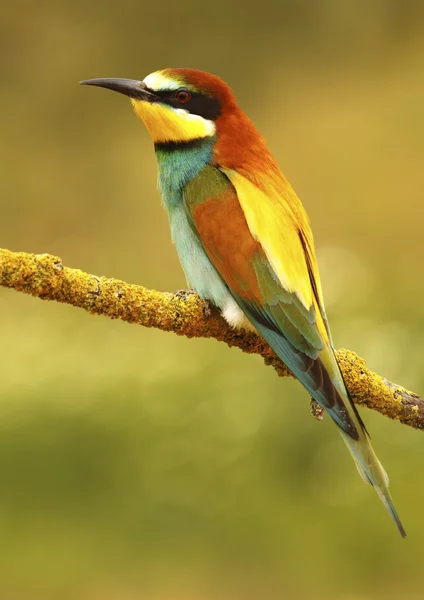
[
  {"x": 272, "y": 221},
  {"x": 167, "y": 124}
]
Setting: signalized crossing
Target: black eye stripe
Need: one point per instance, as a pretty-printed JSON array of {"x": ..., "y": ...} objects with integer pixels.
[{"x": 198, "y": 104}]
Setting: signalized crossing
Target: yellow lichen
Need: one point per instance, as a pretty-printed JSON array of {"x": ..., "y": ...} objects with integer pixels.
[{"x": 184, "y": 313}]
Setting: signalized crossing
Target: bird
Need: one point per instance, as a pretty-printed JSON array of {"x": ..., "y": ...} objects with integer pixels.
[{"x": 243, "y": 237}]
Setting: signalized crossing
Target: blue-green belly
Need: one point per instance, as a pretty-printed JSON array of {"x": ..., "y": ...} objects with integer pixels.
[{"x": 176, "y": 168}]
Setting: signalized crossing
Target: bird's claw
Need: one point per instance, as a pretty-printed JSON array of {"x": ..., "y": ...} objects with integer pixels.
[{"x": 183, "y": 294}]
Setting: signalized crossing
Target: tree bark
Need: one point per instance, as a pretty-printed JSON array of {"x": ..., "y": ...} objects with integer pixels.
[{"x": 185, "y": 313}]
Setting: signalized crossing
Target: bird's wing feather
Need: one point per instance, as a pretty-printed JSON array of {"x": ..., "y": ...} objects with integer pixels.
[
  {"x": 261, "y": 245},
  {"x": 270, "y": 270},
  {"x": 276, "y": 217}
]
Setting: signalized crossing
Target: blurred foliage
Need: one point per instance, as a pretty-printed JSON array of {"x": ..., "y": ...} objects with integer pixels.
[{"x": 135, "y": 464}]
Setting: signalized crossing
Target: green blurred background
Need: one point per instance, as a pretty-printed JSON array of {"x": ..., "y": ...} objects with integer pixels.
[{"x": 138, "y": 465}]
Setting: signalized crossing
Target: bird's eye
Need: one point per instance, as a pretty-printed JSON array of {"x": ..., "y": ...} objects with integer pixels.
[{"x": 183, "y": 96}]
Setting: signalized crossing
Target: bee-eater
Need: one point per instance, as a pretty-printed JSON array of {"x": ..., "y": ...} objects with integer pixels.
[{"x": 243, "y": 237}]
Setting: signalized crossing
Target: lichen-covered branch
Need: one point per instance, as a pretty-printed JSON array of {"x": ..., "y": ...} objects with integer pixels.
[{"x": 184, "y": 313}]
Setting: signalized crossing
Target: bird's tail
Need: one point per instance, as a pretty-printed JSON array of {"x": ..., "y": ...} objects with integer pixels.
[
  {"x": 370, "y": 468},
  {"x": 323, "y": 379},
  {"x": 335, "y": 399}
]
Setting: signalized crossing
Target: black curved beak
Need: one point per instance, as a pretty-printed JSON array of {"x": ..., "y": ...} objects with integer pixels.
[{"x": 128, "y": 87}]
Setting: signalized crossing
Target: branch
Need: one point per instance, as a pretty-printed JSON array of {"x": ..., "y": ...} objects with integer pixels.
[{"x": 184, "y": 313}]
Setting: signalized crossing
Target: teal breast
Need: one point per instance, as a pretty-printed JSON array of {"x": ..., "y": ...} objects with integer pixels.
[{"x": 178, "y": 165}]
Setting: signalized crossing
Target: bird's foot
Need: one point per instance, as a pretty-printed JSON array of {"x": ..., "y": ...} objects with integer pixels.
[{"x": 184, "y": 294}]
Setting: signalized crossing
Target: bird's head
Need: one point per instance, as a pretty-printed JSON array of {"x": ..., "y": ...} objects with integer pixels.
[
  {"x": 182, "y": 105},
  {"x": 176, "y": 105}
]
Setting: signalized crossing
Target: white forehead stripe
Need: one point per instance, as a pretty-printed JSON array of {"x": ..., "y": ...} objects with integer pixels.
[{"x": 158, "y": 81}]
